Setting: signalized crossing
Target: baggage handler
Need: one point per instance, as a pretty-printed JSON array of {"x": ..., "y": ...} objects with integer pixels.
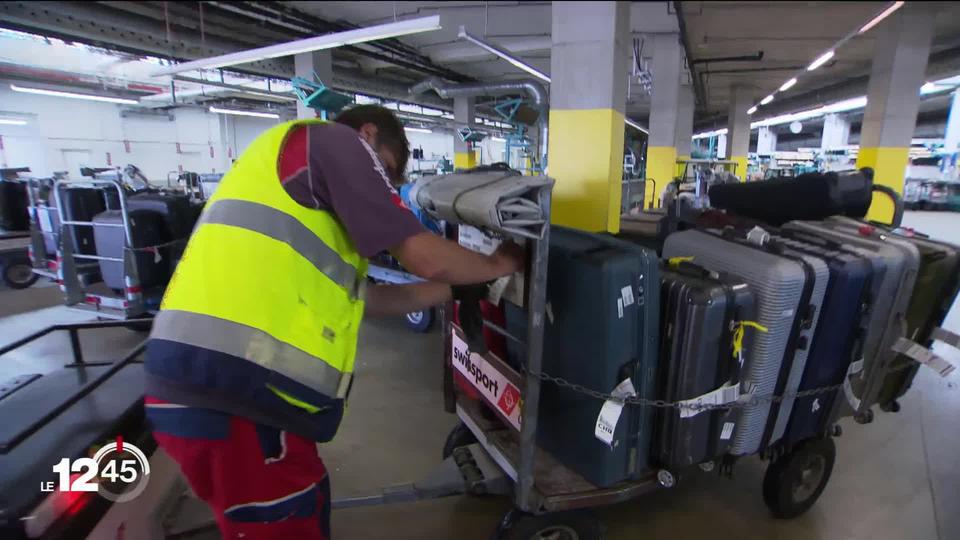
[{"x": 250, "y": 359}]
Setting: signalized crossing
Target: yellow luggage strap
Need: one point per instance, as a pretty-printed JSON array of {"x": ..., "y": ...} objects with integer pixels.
[{"x": 739, "y": 328}]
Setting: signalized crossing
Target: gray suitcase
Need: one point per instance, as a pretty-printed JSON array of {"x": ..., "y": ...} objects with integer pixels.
[
  {"x": 888, "y": 319},
  {"x": 779, "y": 284}
]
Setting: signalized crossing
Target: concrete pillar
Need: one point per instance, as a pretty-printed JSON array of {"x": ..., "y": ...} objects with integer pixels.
[
  {"x": 684, "y": 134},
  {"x": 588, "y": 65},
  {"x": 836, "y": 132},
  {"x": 900, "y": 55},
  {"x": 665, "y": 105},
  {"x": 951, "y": 141},
  {"x": 464, "y": 114},
  {"x": 738, "y": 127},
  {"x": 306, "y": 65},
  {"x": 766, "y": 142}
]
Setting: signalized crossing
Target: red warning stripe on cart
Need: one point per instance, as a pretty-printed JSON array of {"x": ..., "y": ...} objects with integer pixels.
[{"x": 483, "y": 374}]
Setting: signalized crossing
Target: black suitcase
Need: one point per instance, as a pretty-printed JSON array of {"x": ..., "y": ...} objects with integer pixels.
[
  {"x": 809, "y": 196},
  {"x": 148, "y": 230},
  {"x": 699, "y": 310},
  {"x": 838, "y": 338},
  {"x": 178, "y": 215},
  {"x": 82, "y": 204},
  {"x": 602, "y": 327},
  {"x": 14, "y": 202}
]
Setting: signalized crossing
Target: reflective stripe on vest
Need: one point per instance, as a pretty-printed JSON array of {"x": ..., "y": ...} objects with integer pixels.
[
  {"x": 249, "y": 343},
  {"x": 284, "y": 228}
]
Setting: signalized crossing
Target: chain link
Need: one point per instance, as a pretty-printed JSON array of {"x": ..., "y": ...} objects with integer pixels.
[
  {"x": 746, "y": 400},
  {"x": 152, "y": 249}
]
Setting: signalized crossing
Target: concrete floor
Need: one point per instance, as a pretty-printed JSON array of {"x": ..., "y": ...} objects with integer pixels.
[{"x": 896, "y": 478}]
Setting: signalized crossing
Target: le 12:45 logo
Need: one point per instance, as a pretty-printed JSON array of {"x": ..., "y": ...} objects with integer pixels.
[{"x": 118, "y": 471}]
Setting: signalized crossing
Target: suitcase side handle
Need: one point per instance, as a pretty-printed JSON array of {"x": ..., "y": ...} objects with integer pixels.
[
  {"x": 895, "y": 198},
  {"x": 683, "y": 265}
]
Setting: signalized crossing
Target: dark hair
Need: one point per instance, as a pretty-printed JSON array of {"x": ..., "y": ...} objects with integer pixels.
[{"x": 390, "y": 131}]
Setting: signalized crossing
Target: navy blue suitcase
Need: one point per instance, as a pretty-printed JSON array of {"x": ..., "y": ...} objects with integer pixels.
[
  {"x": 603, "y": 298},
  {"x": 838, "y": 338}
]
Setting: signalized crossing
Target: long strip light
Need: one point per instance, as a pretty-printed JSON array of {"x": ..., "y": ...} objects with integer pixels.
[
  {"x": 752, "y": 110},
  {"x": 766, "y": 100},
  {"x": 883, "y": 15},
  {"x": 327, "y": 41},
  {"x": 238, "y": 112},
  {"x": 71, "y": 95},
  {"x": 12, "y": 122},
  {"x": 635, "y": 125},
  {"x": 821, "y": 60},
  {"x": 788, "y": 85},
  {"x": 503, "y": 53},
  {"x": 417, "y": 130},
  {"x": 498, "y": 139}
]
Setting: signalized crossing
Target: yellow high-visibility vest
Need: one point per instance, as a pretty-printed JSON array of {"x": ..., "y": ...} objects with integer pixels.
[{"x": 269, "y": 281}]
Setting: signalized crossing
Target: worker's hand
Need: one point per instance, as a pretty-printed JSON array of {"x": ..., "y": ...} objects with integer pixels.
[{"x": 509, "y": 258}]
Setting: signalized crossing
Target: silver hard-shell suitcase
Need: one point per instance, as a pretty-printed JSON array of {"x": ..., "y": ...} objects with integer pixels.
[{"x": 778, "y": 285}]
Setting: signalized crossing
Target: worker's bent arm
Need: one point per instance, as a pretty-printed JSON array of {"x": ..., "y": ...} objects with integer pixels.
[
  {"x": 436, "y": 259},
  {"x": 388, "y": 300}
]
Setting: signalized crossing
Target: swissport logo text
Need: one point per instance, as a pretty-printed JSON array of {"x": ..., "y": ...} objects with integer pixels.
[{"x": 493, "y": 385}]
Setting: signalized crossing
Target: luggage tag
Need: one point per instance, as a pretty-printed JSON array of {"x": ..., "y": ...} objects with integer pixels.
[
  {"x": 923, "y": 355},
  {"x": 727, "y": 393},
  {"x": 852, "y": 399},
  {"x": 946, "y": 336},
  {"x": 611, "y": 411}
]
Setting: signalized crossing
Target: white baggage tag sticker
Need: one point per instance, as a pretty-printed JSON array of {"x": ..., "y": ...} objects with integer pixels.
[
  {"x": 611, "y": 411},
  {"x": 620, "y": 307},
  {"x": 474, "y": 239},
  {"x": 947, "y": 337},
  {"x": 923, "y": 355},
  {"x": 727, "y": 393},
  {"x": 727, "y": 431},
  {"x": 852, "y": 399},
  {"x": 627, "y": 294}
]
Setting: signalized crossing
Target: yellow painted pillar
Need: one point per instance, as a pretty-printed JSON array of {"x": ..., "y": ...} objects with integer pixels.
[
  {"x": 465, "y": 160},
  {"x": 587, "y": 100},
  {"x": 741, "y": 167},
  {"x": 889, "y": 167}
]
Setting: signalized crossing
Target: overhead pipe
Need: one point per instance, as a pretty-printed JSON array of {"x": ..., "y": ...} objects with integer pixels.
[
  {"x": 531, "y": 87},
  {"x": 699, "y": 89},
  {"x": 745, "y": 58}
]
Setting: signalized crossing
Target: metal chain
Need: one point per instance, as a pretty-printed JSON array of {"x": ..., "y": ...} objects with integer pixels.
[
  {"x": 158, "y": 246},
  {"x": 746, "y": 400}
]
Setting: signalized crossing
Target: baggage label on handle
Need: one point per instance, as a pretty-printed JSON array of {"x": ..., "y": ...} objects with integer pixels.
[
  {"x": 611, "y": 411},
  {"x": 923, "y": 355},
  {"x": 947, "y": 337},
  {"x": 852, "y": 399},
  {"x": 727, "y": 393}
]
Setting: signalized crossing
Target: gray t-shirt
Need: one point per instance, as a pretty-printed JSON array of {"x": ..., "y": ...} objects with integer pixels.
[{"x": 329, "y": 167}]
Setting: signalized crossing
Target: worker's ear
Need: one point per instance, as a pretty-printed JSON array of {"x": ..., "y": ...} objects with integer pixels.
[{"x": 369, "y": 132}]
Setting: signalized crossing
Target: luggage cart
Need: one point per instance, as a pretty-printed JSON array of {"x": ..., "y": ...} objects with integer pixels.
[
  {"x": 75, "y": 282},
  {"x": 17, "y": 272},
  {"x": 384, "y": 271}
]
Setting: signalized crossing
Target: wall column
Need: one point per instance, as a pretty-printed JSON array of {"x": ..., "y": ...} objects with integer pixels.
[
  {"x": 464, "y": 114},
  {"x": 684, "y": 133},
  {"x": 893, "y": 96},
  {"x": 665, "y": 105},
  {"x": 951, "y": 141},
  {"x": 306, "y": 65},
  {"x": 738, "y": 127},
  {"x": 836, "y": 132},
  {"x": 588, "y": 65}
]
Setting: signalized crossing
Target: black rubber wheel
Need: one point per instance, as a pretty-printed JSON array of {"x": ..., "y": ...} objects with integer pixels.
[
  {"x": 573, "y": 525},
  {"x": 18, "y": 273},
  {"x": 459, "y": 436},
  {"x": 794, "y": 482},
  {"x": 420, "y": 321}
]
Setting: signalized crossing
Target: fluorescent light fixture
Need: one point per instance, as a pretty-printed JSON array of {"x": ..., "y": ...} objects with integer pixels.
[
  {"x": 12, "y": 122},
  {"x": 788, "y": 85},
  {"x": 327, "y": 41},
  {"x": 707, "y": 134},
  {"x": 245, "y": 113},
  {"x": 71, "y": 95},
  {"x": 883, "y": 15},
  {"x": 635, "y": 125},
  {"x": 766, "y": 100},
  {"x": 503, "y": 53},
  {"x": 823, "y": 59},
  {"x": 417, "y": 130},
  {"x": 752, "y": 110},
  {"x": 498, "y": 139}
]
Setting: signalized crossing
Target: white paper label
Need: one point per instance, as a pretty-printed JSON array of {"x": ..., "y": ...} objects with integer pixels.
[
  {"x": 853, "y": 400},
  {"x": 474, "y": 239},
  {"x": 620, "y": 307},
  {"x": 627, "y": 294},
  {"x": 786, "y": 313},
  {"x": 727, "y": 431},
  {"x": 723, "y": 395},
  {"x": 549, "y": 311},
  {"x": 493, "y": 385},
  {"x": 924, "y": 356},
  {"x": 611, "y": 411}
]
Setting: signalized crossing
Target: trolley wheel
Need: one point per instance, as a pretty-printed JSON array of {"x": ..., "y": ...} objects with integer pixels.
[
  {"x": 18, "y": 273},
  {"x": 420, "y": 321},
  {"x": 573, "y": 525},
  {"x": 794, "y": 482},
  {"x": 459, "y": 436}
]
